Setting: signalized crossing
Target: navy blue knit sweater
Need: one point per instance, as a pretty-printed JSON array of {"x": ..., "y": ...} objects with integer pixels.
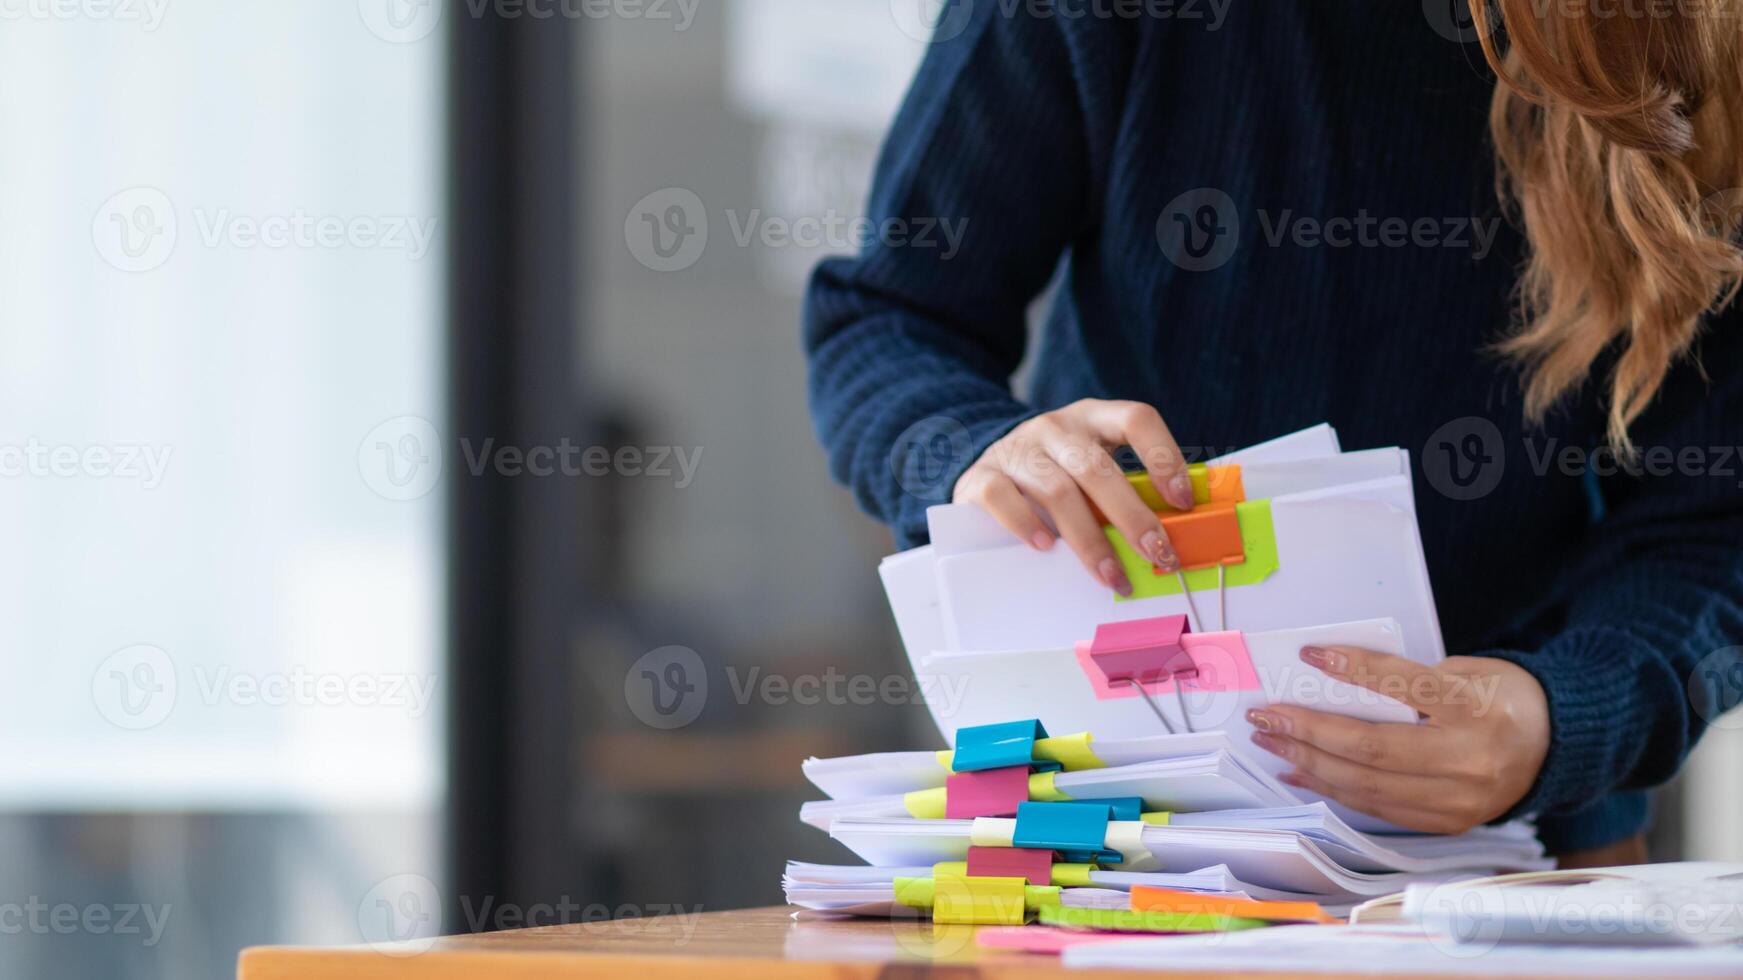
[{"x": 1259, "y": 222}]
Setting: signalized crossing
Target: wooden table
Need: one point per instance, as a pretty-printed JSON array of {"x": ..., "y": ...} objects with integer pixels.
[{"x": 752, "y": 943}]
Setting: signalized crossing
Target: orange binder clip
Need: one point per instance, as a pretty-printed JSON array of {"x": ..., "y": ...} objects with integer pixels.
[{"x": 1206, "y": 537}]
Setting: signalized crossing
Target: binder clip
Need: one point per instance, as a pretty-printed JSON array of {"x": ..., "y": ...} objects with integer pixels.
[
  {"x": 1077, "y": 830},
  {"x": 1031, "y": 864},
  {"x": 997, "y": 746},
  {"x": 1035, "y": 866},
  {"x": 1208, "y": 536},
  {"x": 985, "y": 792},
  {"x": 962, "y": 900},
  {"x": 1146, "y": 651}
]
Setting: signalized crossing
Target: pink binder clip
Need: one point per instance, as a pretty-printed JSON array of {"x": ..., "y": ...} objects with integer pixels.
[
  {"x": 1030, "y": 863},
  {"x": 987, "y": 793},
  {"x": 1144, "y": 651}
]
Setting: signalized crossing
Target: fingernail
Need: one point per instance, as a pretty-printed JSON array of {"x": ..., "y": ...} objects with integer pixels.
[
  {"x": 1180, "y": 491},
  {"x": 1272, "y": 744},
  {"x": 1115, "y": 576},
  {"x": 1291, "y": 779},
  {"x": 1327, "y": 660},
  {"x": 1042, "y": 541},
  {"x": 1264, "y": 721},
  {"x": 1158, "y": 550}
]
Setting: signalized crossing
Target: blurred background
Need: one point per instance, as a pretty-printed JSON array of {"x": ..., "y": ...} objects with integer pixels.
[{"x": 412, "y": 513}]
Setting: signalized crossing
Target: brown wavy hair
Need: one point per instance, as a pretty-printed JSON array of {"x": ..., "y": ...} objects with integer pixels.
[{"x": 1617, "y": 133}]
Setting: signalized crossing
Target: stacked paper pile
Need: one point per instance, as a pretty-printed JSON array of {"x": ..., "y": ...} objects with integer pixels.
[
  {"x": 1291, "y": 543},
  {"x": 1185, "y": 813}
]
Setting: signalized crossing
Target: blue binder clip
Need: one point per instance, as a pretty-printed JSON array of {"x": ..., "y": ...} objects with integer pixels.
[
  {"x": 1007, "y": 743},
  {"x": 1077, "y": 830},
  {"x": 1122, "y": 807}
]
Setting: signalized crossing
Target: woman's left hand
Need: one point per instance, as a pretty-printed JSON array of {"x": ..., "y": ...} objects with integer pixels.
[{"x": 1476, "y": 753}]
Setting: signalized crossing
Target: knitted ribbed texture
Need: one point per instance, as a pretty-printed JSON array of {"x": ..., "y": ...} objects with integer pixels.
[{"x": 1075, "y": 137}]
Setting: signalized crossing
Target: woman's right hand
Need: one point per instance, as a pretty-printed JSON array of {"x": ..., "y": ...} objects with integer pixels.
[{"x": 1055, "y": 465}]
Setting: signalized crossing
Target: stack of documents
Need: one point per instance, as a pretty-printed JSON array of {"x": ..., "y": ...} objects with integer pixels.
[
  {"x": 1210, "y": 821},
  {"x": 1325, "y": 551},
  {"x": 1291, "y": 543}
]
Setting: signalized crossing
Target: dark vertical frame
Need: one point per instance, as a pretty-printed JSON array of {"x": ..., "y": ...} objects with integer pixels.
[{"x": 513, "y": 559}]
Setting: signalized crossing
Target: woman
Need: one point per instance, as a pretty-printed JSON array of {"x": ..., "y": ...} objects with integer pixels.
[{"x": 1521, "y": 270}]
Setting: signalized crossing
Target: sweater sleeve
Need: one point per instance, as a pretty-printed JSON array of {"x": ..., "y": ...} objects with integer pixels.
[
  {"x": 911, "y": 344},
  {"x": 1649, "y": 651}
]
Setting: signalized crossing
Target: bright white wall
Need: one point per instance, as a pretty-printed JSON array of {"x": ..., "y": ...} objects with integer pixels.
[{"x": 276, "y": 298}]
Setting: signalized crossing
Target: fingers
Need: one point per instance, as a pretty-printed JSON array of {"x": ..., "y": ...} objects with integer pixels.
[
  {"x": 1100, "y": 477},
  {"x": 1065, "y": 503},
  {"x": 1409, "y": 817},
  {"x": 1060, "y": 464},
  {"x": 1360, "y": 786},
  {"x": 998, "y": 496},
  {"x": 1389, "y": 747},
  {"x": 1140, "y": 426},
  {"x": 1414, "y": 684}
]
